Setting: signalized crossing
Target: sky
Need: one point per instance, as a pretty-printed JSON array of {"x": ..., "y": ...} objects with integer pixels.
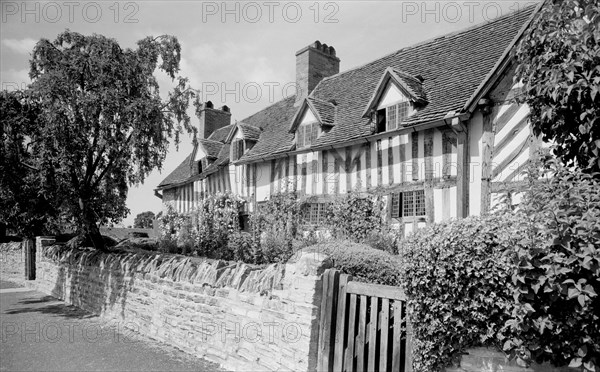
[{"x": 236, "y": 53}]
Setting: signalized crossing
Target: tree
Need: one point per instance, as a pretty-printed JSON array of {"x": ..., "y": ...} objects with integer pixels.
[
  {"x": 559, "y": 64},
  {"x": 144, "y": 220},
  {"x": 25, "y": 199},
  {"x": 104, "y": 125}
]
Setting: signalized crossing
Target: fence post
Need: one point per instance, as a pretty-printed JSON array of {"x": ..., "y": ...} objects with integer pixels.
[{"x": 28, "y": 246}]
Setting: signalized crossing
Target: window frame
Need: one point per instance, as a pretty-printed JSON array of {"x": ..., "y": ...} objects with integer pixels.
[
  {"x": 382, "y": 115},
  {"x": 304, "y": 137},
  {"x": 237, "y": 149},
  {"x": 315, "y": 214},
  {"x": 402, "y": 201}
]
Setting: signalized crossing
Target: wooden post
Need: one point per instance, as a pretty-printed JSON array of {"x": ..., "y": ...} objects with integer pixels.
[
  {"x": 429, "y": 175},
  {"x": 390, "y": 162},
  {"x": 348, "y": 169},
  {"x": 486, "y": 166},
  {"x": 327, "y": 320},
  {"x": 414, "y": 146},
  {"x": 325, "y": 173},
  {"x": 462, "y": 178},
  {"x": 28, "y": 245},
  {"x": 368, "y": 164}
]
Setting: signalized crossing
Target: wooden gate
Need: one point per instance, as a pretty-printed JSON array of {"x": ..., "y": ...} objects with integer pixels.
[{"x": 362, "y": 327}]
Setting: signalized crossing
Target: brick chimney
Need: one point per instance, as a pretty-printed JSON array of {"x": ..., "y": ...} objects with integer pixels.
[
  {"x": 212, "y": 119},
  {"x": 313, "y": 63}
]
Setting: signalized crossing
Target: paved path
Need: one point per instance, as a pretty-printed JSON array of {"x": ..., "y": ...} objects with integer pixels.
[{"x": 41, "y": 333}]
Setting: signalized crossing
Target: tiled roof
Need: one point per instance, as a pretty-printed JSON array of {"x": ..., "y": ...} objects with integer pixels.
[
  {"x": 181, "y": 174},
  {"x": 453, "y": 66},
  {"x": 220, "y": 135},
  {"x": 325, "y": 110},
  {"x": 274, "y": 121},
  {"x": 185, "y": 171},
  {"x": 250, "y": 132},
  {"x": 222, "y": 159},
  {"x": 212, "y": 147},
  {"x": 413, "y": 85}
]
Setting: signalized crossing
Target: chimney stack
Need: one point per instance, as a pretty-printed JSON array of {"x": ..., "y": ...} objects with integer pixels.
[
  {"x": 212, "y": 119},
  {"x": 314, "y": 63}
]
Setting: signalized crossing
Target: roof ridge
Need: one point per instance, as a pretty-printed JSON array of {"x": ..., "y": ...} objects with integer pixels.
[{"x": 432, "y": 39}]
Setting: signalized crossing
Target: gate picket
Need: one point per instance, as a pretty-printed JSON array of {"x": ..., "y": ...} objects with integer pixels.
[
  {"x": 340, "y": 330},
  {"x": 354, "y": 329},
  {"x": 373, "y": 334},
  {"x": 349, "y": 360},
  {"x": 360, "y": 339}
]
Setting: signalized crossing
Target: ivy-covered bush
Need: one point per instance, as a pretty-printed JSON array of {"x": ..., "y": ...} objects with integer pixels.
[
  {"x": 361, "y": 218},
  {"x": 215, "y": 220},
  {"x": 556, "y": 315},
  {"x": 276, "y": 225},
  {"x": 170, "y": 223},
  {"x": 457, "y": 277},
  {"x": 364, "y": 263}
]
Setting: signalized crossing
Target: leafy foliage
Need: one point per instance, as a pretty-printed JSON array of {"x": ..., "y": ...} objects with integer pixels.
[
  {"x": 458, "y": 280},
  {"x": 524, "y": 280},
  {"x": 102, "y": 123},
  {"x": 361, "y": 218},
  {"x": 364, "y": 263},
  {"x": 355, "y": 215},
  {"x": 214, "y": 222},
  {"x": 144, "y": 220},
  {"x": 556, "y": 314},
  {"x": 25, "y": 199},
  {"x": 276, "y": 225},
  {"x": 559, "y": 63}
]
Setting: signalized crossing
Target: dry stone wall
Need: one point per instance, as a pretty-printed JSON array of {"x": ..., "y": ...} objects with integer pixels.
[{"x": 240, "y": 316}]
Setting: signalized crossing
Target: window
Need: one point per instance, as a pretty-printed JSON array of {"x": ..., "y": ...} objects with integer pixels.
[
  {"x": 315, "y": 213},
  {"x": 408, "y": 204},
  {"x": 199, "y": 166},
  {"x": 390, "y": 118},
  {"x": 307, "y": 134},
  {"x": 237, "y": 149}
]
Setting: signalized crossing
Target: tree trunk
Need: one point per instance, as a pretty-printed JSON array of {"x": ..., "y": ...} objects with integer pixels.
[
  {"x": 89, "y": 228},
  {"x": 93, "y": 233}
]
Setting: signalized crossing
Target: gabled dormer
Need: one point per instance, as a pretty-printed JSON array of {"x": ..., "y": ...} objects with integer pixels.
[
  {"x": 313, "y": 118},
  {"x": 398, "y": 95},
  {"x": 205, "y": 153},
  {"x": 242, "y": 138}
]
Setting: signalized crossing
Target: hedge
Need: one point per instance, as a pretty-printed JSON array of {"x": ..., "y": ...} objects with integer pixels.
[
  {"x": 457, "y": 277},
  {"x": 364, "y": 263}
]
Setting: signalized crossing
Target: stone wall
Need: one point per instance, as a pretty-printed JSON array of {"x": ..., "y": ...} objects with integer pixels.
[
  {"x": 240, "y": 316},
  {"x": 483, "y": 359}
]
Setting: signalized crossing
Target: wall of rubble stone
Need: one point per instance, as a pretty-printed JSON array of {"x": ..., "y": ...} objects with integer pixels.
[{"x": 240, "y": 316}]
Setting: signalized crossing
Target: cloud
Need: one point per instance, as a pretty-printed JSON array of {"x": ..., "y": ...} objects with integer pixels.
[
  {"x": 13, "y": 79},
  {"x": 22, "y": 46}
]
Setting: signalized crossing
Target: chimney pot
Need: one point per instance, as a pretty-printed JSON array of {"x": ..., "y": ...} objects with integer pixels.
[
  {"x": 212, "y": 119},
  {"x": 314, "y": 63}
]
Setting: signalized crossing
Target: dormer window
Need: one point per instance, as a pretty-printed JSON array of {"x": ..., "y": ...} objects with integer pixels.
[
  {"x": 306, "y": 134},
  {"x": 395, "y": 114},
  {"x": 199, "y": 165},
  {"x": 237, "y": 149},
  {"x": 398, "y": 96}
]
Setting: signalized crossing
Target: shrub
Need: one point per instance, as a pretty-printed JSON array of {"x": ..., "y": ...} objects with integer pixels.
[
  {"x": 556, "y": 315},
  {"x": 276, "y": 225},
  {"x": 364, "y": 263},
  {"x": 457, "y": 278},
  {"x": 356, "y": 216},
  {"x": 215, "y": 220}
]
